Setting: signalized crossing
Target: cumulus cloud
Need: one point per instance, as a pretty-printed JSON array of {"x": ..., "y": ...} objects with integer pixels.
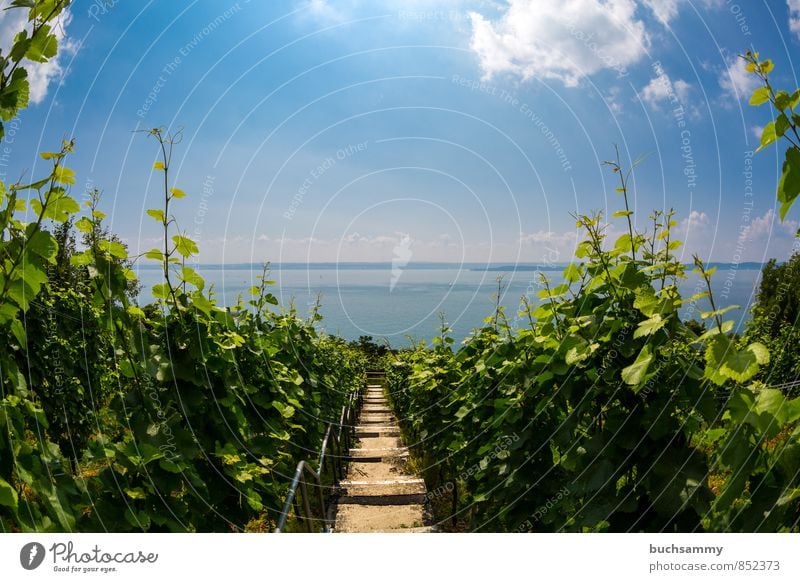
[
  {"x": 794, "y": 16},
  {"x": 40, "y": 75},
  {"x": 753, "y": 238},
  {"x": 695, "y": 220},
  {"x": 735, "y": 81},
  {"x": 763, "y": 228},
  {"x": 663, "y": 10},
  {"x": 565, "y": 40},
  {"x": 662, "y": 88}
]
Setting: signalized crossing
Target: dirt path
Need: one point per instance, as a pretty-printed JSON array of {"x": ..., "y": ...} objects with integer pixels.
[{"x": 380, "y": 493}]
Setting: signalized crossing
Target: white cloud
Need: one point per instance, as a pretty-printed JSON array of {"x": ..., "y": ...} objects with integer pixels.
[
  {"x": 565, "y": 40},
  {"x": 40, "y": 75},
  {"x": 324, "y": 10},
  {"x": 695, "y": 220},
  {"x": 612, "y": 99},
  {"x": 794, "y": 16},
  {"x": 764, "y": 228},
  {"x": 736, "y": 81},
  {"x": 663, "y": 10},
  {"x": 749, "y": 239},
  {"x": 662, "y": 88}
]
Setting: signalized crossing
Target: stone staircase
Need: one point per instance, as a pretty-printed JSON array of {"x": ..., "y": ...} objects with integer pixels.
[{"x": 380, "y": 493}]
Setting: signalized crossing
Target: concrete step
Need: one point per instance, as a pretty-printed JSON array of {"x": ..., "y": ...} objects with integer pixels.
[
  {"x": 379, "y": 518},
  {"x": 387, "y": 499},
  {"x": 377, "y": 455},
  {"x": 377, "y": 421},
  {"x": 401, "y": 490},
  {"x": 382, "y": 482},
  {"x": 424, "y": 529},
  {"x": 376, "y": 409},
  {"x": 377, "y": 431}
]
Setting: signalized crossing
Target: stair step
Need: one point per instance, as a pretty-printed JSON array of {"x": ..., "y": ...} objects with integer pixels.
[
  {"x": 384, "y": 452},
  {"x": 413, "y": 489},
  {"x": 350, "y": 483},
  {"x": 376, "y": 455},
  {"x": 429, "y": 529},
  {"x": 377, "y": 431},
  {"x": 380, "y": 500},
  {"x": 375, "y": 518}
]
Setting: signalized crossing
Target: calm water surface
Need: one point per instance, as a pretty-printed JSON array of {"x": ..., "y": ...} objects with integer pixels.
[{"x": 374, "y": 300}]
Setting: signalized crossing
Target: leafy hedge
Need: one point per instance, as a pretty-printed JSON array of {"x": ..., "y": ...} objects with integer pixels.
[
  {"x": 177, "y": 416},
  {"x": 608, "y": 412}
]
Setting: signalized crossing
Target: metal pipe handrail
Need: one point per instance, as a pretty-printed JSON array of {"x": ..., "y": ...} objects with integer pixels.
[{"x": 347, "y": 421}]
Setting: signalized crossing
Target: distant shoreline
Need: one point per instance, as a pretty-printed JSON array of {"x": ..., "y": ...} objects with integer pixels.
[{"x": 421, "y": 266}]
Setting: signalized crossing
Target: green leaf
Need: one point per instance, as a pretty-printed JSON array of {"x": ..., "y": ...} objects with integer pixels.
[
  {"x": 789, "y": 184},
  {"x": 286, "y": 410},
  {"x": 80, "y": 259},
  {"x": 725, "y": 361},
  {"x": 768, "y": 136},
  {"x": 135, "y": 311},
  {"x": 43, "y": 45},
  {"x": 64, "y": 175},
  {"x": 584, "y": 249},
  {"x": 59, "y": 206},
  {"x": 572, "y": 273},
  {"x": 155, "y": 254},
  {"x": 8, "y": 495},
  {"x": 624, "y": 243},
  {"x": 177, "y": 193},
  {"x": 622, "y": 213},
  {"x": 649, "y": 326},
  {"x": 760, "y": 96},
  {"x": 43, "y": 244},
  {"x": 185, "y": 246},
  {"x": 159, "y": 166},
  {"x": 15, "y": 95},
  {"x": 192, "y": 277},
  {"x": 136, "y": 493},
  {"x": 781, "y": 124},
  {"x": 157, "y": 214},
  {"x": 114, "y": 248},
  {"x": 636, "y": 373},
  {"x": 160, "y": 291},
  {"x": 84, "y": 224},
  {"x": 19, "y": 333}
]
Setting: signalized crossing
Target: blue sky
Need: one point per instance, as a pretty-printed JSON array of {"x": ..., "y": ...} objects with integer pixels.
[{"x": 457, "y": 130}]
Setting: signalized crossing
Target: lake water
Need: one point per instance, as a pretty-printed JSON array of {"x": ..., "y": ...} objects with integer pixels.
[{"x": 371, "y": 299}]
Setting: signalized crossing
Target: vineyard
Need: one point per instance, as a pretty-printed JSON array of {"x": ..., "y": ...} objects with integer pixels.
[
  {"x": 607, "y": 411},
  {"x": 177, "y": 416}
]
